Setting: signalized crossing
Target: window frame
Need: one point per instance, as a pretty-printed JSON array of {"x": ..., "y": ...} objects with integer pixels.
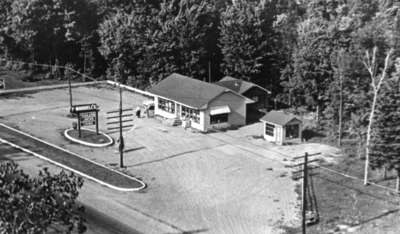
[
  {"x": 166, "y": 105},
  {"x": 193, "y": 114},
  {"x": 269, "y": 129},
  {"x": 224, "y": 116}
]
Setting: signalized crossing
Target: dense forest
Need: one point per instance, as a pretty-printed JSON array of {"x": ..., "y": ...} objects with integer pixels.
[{"x": 336, "y": 58}]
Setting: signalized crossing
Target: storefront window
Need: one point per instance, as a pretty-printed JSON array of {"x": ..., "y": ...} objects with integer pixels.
[
  {"x": 221, "y": 118},
  {"x": 166, "y": 105},
  {"x": 269, "y": 129},
  {"x": 190, "y": 113}
]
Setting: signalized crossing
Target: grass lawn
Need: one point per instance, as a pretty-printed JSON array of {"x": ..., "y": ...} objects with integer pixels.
[
  {"x": 345, "y": 201},
  {"x": 345, "y": 204}
]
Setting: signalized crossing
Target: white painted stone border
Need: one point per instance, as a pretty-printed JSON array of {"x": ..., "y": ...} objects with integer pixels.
[
  {"x": 110, "y": 140},
  {"x": 143, "y": 185}
]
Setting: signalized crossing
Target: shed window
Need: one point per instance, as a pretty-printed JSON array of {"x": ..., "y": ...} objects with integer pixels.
[
  {"x": 166, "y": 105},
  {"x": 221, "y": 118},
  {"x": 269, "y": 129}
]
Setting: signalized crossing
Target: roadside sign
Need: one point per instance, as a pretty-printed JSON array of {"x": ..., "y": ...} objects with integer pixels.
[
  {"x": 84, "y": 107},
  {"x": 2, "y": 83},
  {"x": 87, "y": 118},
  {"x": 88, "y": 114}
]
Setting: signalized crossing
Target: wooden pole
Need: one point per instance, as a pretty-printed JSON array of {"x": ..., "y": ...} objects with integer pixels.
[
  {"x": 70, "y": 92},
  {"x": 121, "y": 139},
  {"x": 304, "y": 194},
  {"x": 79, "y": 125},
  {"x": 97, "y": 122}
]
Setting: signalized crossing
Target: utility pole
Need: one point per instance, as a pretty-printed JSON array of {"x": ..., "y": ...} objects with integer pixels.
[
  {"x": 304, "y": 170},
  {"x": 304, "y": 194},
  {"x": 70, "y": 92},
  {"x": 118, "y": 126},
  {"x": 121, "y": 137}
]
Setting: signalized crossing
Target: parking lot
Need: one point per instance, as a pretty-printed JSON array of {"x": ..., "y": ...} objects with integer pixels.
[{"x": 224, "y": 182}]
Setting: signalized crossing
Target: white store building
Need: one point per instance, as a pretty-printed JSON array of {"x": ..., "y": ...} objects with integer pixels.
[{"x": 207, "y": 106}]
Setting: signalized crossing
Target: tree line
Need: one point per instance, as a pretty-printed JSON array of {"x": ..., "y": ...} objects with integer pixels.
[{"x": 336, "y": 58}]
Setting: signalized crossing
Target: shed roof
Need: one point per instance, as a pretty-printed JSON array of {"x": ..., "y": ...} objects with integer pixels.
[
  {"x": 279, "y": 118},
  {"x": 189, "y": 91},
  {"x": 237, "y": 85}
]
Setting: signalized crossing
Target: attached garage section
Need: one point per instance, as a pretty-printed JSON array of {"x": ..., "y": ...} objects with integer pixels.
[{"x": 256, "y": 93}]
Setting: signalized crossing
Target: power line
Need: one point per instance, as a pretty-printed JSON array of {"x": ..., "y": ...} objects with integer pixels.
[{"x": 50, "y": 66}]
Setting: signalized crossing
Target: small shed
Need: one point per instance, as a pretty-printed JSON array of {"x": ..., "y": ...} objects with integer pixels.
[{"x": 281, "y": 127}]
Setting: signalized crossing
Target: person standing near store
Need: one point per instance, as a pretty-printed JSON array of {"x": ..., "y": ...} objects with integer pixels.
[{"x": 137, "y": 111}]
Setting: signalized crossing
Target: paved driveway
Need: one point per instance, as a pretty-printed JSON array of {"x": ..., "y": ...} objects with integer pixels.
[{"x": 211, "y": 183}]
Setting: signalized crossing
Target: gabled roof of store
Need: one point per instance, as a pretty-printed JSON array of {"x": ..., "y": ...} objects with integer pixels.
[{"x": 189, "y": 91}]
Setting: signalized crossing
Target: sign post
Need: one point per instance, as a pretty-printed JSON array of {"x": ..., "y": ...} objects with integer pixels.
[{"x": 87, "y": 116}]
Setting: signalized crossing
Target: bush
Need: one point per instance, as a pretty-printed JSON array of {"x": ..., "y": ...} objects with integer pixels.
[
  {"x": 8, "y": 65},
  {"x": 33, "y": 205}
]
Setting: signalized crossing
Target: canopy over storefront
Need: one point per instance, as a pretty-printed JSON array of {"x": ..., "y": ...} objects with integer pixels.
[{"x": 217, "y": 110}]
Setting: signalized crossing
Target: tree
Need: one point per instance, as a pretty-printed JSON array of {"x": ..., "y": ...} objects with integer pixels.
[
  {"x": 152, "y": 42},
  {"x": 376, "y": 83},
  {"x": 309, "y": 76},
  {"x": 50, "y": 30},
  {"x": 312, "y": 71},
  {"x": 181, "y": 37},
  {"x": 87, "y": 54},
  {"x": 382, "y": 34},
  {"x": 385, "y": 138},
  {"x": 123, "y": 40},
  {"x": 246, "y": 31},
  {"x": 5, "y": 19},
  {"x": 33, "y": 205}
]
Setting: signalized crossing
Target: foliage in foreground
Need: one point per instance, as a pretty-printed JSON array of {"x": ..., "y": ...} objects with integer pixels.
[{"x": 33, "y": 205}]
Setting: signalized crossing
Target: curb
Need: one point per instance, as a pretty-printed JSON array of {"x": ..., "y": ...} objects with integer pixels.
[
  {"x": 111, "y": 141},
  {"x": 143, "y": 185}
]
